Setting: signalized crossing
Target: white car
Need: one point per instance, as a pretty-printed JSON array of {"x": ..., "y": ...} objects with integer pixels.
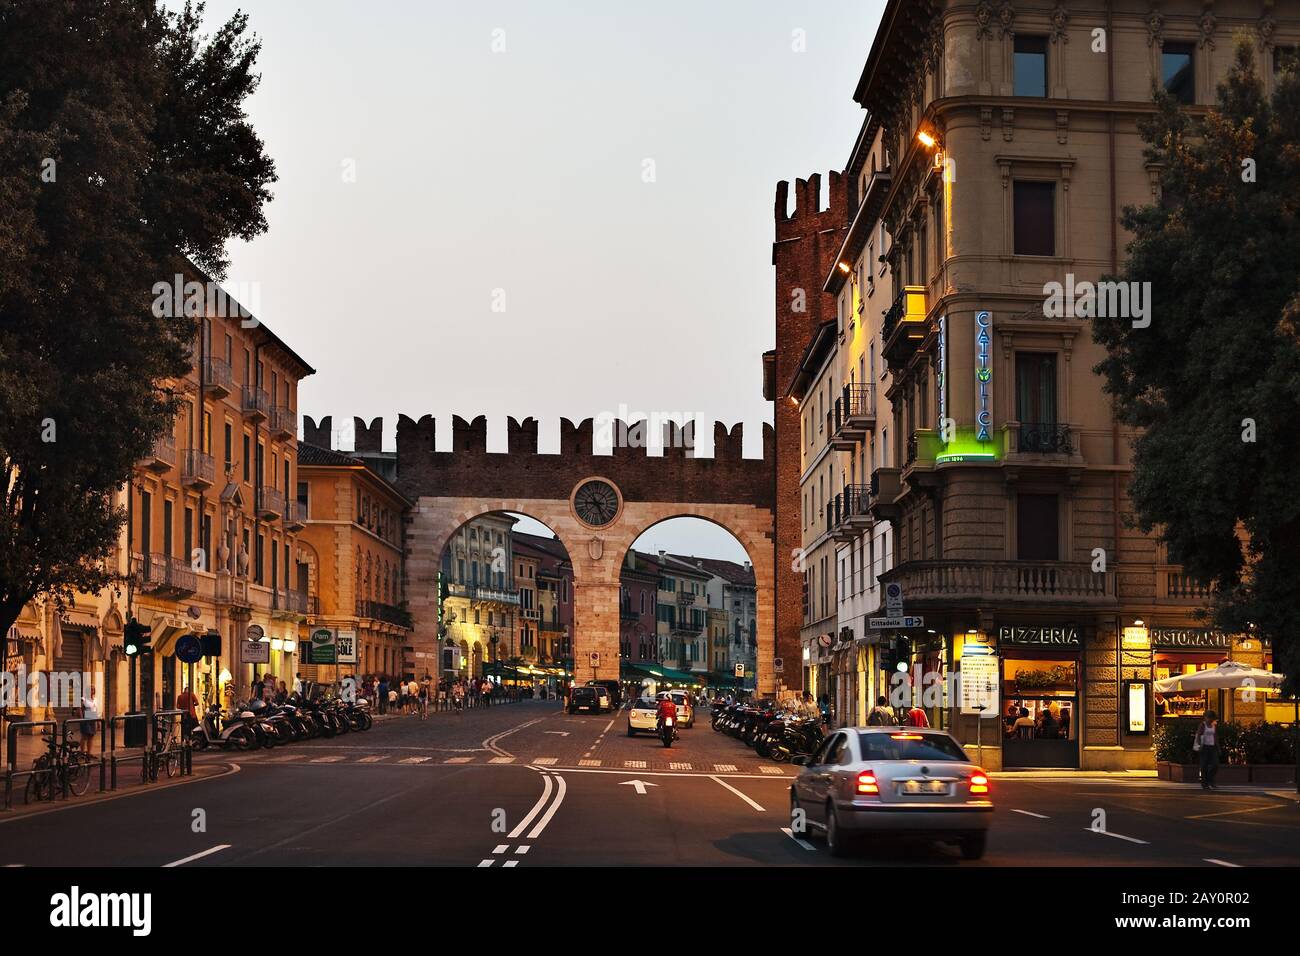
[
  {"x": 685, "y": 712},
  {"x": 883, "y": 781},
  {"x": 643, "y": 715}
]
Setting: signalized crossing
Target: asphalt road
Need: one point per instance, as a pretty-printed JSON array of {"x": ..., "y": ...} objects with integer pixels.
[{"x": 527, "y": 785}]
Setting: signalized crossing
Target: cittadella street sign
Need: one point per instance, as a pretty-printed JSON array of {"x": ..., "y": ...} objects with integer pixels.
[{"x": 894, "y": 623}]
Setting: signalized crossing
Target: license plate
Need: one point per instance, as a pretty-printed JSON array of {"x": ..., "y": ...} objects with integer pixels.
[{"x": 922, "y": 786}]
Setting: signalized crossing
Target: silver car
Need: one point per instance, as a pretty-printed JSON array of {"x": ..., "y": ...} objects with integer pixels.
[{"x": 892, "y": 781}]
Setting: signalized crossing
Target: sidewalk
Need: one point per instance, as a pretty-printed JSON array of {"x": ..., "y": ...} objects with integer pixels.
[{"x": 1142, "y": 778}]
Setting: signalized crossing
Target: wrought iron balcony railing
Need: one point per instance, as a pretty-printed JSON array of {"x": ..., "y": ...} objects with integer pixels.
[
  {"x": 255, "y": 403},
  {"x": 1044, "y": 439},
  {"x": 217, "y": 379},
  {"x": 200, "y": 469}
]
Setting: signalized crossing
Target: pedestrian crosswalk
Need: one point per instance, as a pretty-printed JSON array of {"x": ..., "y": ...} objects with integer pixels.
[{"x": 497, "y": 759}]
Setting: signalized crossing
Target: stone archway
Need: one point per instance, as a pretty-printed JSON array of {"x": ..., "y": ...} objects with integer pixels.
[{"x": 634, "y": 492}]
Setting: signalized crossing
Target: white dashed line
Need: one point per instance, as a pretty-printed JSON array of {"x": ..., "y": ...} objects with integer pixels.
[
  {"x": 724, "y": 767},
  {"x": 197, "y": 856},
  {"x": 483, "y": 863},
  {"x": 1118, "y": 836},
  {"x": 722, "y": 783},
  {"x": 547, "y": 761},
  {"x": 772, "y": 771},
  {"x": 521, "y": 850},
  {"x": 1235, "y": 866},
  {"x": 501, "y": 848},
  {"x": 802, "y": 842},
  {"x": 414, "y": 759},
  {"x": 510, "y": 863},
  {"x": 328, "y": 759},
  {"x": 1030, "y": 813},
  {"x": 371, "y": 759},
  {"x": 458, "y": 760},
  {"x": 634, "y": 764},
  {"x": 680, "y": 766},
  {"x": 588, "y": 763},
  {"x": 502, "y": 760}
]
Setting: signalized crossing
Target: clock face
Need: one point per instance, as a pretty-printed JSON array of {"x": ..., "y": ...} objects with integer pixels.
[{"x": 596, "y": 502}]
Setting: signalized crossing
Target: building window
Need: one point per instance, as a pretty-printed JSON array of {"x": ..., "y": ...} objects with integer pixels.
[
  {"x": 1035, "y": 218},
  {"x": 302, "y": 498},
  {"x": 167, "y": 528},
  {"x": 230, "y": 446},
  {"x": 1036, "y": 388},
  {"x": 1176, "y": 62},
  {"x": 1037, "y": 531},
  {"x": 1030, "y": 68},
  {"x": 246, "y": 478}
]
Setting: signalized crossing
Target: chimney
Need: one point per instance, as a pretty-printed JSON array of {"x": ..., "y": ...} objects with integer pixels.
[{"x": 662, "y": 554}]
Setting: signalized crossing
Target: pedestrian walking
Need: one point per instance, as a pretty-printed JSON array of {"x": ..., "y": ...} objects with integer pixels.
[
  {"x": 882, "y": 715},
  {"x": 424, "y": 698},
  {"x": 413, "y": 695},
  {"x": 383, "y": 695},
  {"x": 1206, "y": 745},
  {"x": 90, "y": 711}
]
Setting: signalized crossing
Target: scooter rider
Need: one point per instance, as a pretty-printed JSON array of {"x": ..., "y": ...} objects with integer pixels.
[{"x": 666, "y": 709}]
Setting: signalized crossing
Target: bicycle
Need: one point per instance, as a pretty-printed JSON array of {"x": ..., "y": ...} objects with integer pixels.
[
  {"x": 165, "y": 753},
  {"x": 64, "y": 765}
]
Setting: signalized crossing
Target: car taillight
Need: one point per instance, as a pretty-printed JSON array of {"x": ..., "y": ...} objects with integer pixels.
[
  {"x": 979, "y": 782},
  {"x": 867, "y": 783}
]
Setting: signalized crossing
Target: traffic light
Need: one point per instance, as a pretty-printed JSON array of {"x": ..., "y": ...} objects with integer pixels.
[
  {"x": 135, "y": 638},
  {"x": 902, "y": 653},
  {"x": 888, "y": 656}
]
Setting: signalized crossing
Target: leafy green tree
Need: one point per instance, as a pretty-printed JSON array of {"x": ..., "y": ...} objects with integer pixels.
[
  {"x": 1214, "y": 381},
  {"x": 124, "y": 152}
]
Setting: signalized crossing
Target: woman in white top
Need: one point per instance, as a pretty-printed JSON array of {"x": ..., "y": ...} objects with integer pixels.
[{"x": 1207, "y": 746}]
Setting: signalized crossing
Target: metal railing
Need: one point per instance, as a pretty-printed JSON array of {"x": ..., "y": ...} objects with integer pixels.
[
  {"x": 162, "y": 454},
  {"x": 200, "y": 467},
  {"x": 283, "y": 421},
  {"x": 255, "y": 401},
  {"x": 217, "y": 375},
  {"x": 270, "y": 501},
  {"x": 295, "y": 512},
  {"x": 1044, "y": 439},
  {"x": 388, "y": 613}
]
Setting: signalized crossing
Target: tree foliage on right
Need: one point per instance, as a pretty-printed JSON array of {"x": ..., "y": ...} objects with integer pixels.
[{"x": 1213, "y": 383}]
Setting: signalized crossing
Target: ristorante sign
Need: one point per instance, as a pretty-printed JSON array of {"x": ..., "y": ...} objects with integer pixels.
[
  {"x": 1063, "y": 636},
  {"x": 1191, "y": 638}
]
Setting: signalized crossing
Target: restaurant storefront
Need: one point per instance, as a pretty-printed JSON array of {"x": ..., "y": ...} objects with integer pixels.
[
  {"x": 1040, "y": 693},
  {"x": 1176, "y": 651}
]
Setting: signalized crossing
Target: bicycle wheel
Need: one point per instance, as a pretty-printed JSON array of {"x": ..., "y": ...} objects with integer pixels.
[
  {"x": 173, "y": 762},
  {"x": 39, "y": 783},
  {"x": 78, "y": 771}
]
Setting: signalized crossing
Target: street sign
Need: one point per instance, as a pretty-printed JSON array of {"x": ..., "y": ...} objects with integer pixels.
[
  {"x": 256, "y": 652},
  {"x": 345, "y": 644},
  {"x": 894, "y": 599},
  {"x": 778, "y": 665},
  {"x": 595, "y": 658},
  {"x": 979, "y": 684},
  {"x": 323, "y": 647},
  {"x": 255, "y": 632},
  {"x": 894, "y": 623},
  {"x": 740, "y": 670},
  {"x": 189, "y": 649}
]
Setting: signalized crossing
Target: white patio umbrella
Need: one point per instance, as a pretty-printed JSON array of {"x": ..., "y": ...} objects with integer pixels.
[{"x": 1228, "y": 675}]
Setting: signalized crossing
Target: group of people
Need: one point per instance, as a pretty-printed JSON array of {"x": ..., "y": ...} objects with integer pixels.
[
  {"x": 410, "y": 696},
  {"x": 885, "y": 715},
  {"x": 1052, "y": 722}
]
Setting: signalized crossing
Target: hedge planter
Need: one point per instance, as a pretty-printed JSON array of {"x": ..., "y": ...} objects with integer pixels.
[
  {"x": 1272, "y": 773},
  {"x": 1191, "y": 772}
]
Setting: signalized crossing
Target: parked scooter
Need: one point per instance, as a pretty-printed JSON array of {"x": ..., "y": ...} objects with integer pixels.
[{"x": 232, "y": 733}]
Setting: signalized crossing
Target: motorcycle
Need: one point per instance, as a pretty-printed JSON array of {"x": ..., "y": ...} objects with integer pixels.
[
  {"x": 667, "y": 730},
  {"x": 797, "y": 737}
]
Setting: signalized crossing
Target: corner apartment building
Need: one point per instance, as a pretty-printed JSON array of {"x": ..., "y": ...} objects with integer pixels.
[
  {"x": 1010, "y": 146},
  {"x": 352, "y": 544},
  {"x": 681, "y": 615},
  {"x": 479, "y": 601},
  {"x": 212, "y": 544},
  {"x": 638, "y": 596}
]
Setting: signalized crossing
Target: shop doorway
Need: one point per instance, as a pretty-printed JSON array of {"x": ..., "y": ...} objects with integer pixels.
[{"x": 1040, "y": 712}]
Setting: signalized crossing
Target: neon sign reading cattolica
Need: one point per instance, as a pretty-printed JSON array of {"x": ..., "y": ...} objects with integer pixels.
[{"x": 983, "y": 371}]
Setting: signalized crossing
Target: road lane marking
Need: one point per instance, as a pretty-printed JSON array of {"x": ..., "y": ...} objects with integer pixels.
[
  {"x": 640, "y": 785},
  {"x": 547, "y": 786},
  {"x": 197, "y": 856},
  {"x": 415, "y": 759},
  {"x": 560, "y": 789},
  {"x": 607, "y": 726},
  {"x": 1235, "y": 866},
  {"x": 483, "y": 863},
  {"x": 510, "y": 863},
  {"x": 558, "y": 733},
  {"x": 458, "y": 760},
  {"x": 802, "y": 842},
  {"x": 1228, "y": 813},
  {"x": 376, "y": 759},
  {"x": 286, "y": 758},
  {"x": 521, "y": 849},
  {"x": 1030, "y": 813},
  {"x": 772, "y": 771},
  {"x": 722, "y": 783},
  {"x": 501, "y": 848},
  {"x": 680, "y": 766},
  {"x": 1119, "y": 836},
  {"x": 491, "y": 742},
  {"x": 634, "y": 764},
  {"x": 547, "y": 761},
  {"x": 724, "y": 767},
  {"x": 502, "y": 760},
  {"x": 589, "y": 763},
  {"x": 328, "y": 759}
]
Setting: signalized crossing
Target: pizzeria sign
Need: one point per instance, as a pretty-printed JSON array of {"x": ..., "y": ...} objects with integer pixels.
[{"x": 1063, "y": 636}]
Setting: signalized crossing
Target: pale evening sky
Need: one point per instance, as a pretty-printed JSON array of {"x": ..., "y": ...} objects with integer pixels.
[{"x": 519, "y": 176}]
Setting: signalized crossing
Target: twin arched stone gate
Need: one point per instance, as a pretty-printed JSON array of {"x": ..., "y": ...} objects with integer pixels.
[{"x": 597, "y": 505}]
